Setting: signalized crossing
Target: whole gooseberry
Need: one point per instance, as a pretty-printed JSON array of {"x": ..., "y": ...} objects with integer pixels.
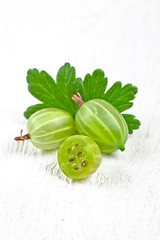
[
  {"x": 102, "y": 122},
  {"x": 48, "y": 128}
]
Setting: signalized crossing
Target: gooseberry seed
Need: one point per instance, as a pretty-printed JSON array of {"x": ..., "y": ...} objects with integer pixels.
[
  {"x": 79, "y": 154},
  {"x": 84, "y": 164},
  {"x": 71, "y": 159}
]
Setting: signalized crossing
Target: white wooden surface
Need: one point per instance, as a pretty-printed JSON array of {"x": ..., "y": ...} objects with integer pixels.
[{"x": 121, "y": 201}]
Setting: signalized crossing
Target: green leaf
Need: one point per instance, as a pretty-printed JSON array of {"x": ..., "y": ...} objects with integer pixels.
[
  {"x": 132, "y": 122},
  {"x": 68, "y": 85},
  {"x": 121, "y": 97},
  {"x": 94, "y": 85},
  {"x": 42, "y": 79},
  {"x": 41, "y": 86},
  {"x": 34, "y": 108},
  {"x": 73, "y": 88},
  {"x": 56, "y": 94}
]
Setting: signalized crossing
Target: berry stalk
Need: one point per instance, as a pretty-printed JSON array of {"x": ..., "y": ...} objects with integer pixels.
[
  {"x": 22, "y": 137},
  {"x": 78, "y": 99}
]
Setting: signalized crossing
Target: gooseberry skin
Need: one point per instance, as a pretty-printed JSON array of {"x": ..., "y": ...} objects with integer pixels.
[
  {"x": 79, "y": 156},
  {"x": 102, "y": 122},
  {"x": 47, "y": 128}
]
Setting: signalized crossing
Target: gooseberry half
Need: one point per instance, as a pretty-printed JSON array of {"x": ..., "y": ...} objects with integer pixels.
[{"x": 79, "y": 156}]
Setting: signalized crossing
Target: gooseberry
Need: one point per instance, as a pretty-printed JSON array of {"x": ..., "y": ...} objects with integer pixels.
[
  {"x": 102, "y": 122},
  {"x": 47, "y": 128},
  {"x": 79, "y": 156}
]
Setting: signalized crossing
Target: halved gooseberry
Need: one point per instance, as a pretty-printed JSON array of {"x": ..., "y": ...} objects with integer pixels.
[{"x": 79, "y": 156}]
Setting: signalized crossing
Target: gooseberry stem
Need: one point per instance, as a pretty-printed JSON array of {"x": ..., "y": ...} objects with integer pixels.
[
  {"x": 78, "y": 99},
  {"x": 22, "y": 138}
]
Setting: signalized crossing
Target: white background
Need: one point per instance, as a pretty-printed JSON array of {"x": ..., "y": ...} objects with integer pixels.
[{"x": 121, "y": 201}]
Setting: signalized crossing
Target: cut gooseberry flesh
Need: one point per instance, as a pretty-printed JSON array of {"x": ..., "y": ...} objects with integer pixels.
[{"x": 79, "y": 156}]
